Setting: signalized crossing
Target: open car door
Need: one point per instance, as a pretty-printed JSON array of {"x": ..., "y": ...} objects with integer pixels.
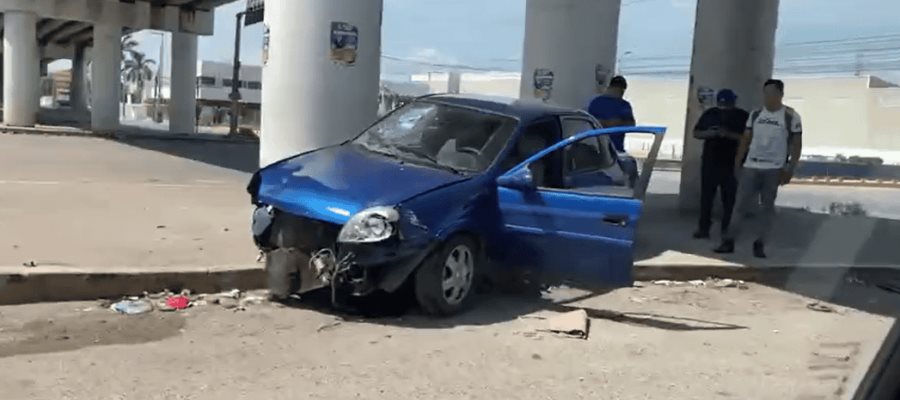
[{"x": 580, "y": 229}]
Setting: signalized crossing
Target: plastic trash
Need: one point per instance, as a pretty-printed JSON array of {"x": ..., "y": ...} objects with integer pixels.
[
  {"x": 178, "y": 302},
  {"x": 132, "y": 307}
]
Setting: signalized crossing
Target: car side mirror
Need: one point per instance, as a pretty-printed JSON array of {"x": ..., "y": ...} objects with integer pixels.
[{"x": 520, "y": 179}]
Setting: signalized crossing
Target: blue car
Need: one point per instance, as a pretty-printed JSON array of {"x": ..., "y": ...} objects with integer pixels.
[{"x": 447, "y": 190}]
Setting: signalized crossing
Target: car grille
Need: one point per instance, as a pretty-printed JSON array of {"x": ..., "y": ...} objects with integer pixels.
[{"x": 305, "y": 234}]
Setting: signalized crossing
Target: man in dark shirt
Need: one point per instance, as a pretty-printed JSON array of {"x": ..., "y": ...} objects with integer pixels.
[
  {"x": 721, "y": 129},
  {"x": 612, "y": 110}
]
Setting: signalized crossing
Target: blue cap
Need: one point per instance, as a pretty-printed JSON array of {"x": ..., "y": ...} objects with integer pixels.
[{"x": 726, "y": 96}]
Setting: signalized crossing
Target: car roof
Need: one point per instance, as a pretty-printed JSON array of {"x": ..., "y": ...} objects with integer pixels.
[{"x": 524, "y": 110}]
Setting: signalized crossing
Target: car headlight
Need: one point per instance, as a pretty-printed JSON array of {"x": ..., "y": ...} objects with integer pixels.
[{"x": 369, "y": 226}]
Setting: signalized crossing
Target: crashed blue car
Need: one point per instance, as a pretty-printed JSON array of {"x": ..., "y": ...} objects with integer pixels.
[{"x": 450, "y": 189}]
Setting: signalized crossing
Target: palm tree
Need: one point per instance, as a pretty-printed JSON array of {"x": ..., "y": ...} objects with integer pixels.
[
  {"x": 136, "y": 70},
  {"x": 129, "y": 46}
]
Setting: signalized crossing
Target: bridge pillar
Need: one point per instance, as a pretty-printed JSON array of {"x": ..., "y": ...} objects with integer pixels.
[
  {"x": 21, "y": 68},
  {"x": 183, "y": 87},
  {"x": 105, "y": 83},
  {"x": 321, "y": 72},
  {"x": 734, "y": 47},
  {"x": 570, "y": 49},
  {"x": 77, "y": 96}
]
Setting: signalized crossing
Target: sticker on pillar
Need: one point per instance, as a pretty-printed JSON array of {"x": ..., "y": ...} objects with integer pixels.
[
  {"x": 344, "y": 43},
  {"x": 543, "y": 84},
  {"x": 265, "y": 45},
  {"x": 601, "y": 77},
  {"x": 706, "y": 96}
]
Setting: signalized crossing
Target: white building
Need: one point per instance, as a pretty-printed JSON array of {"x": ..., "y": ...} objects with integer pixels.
[
  {"x": 841, "y": 115},
  {"x": 214, "y": 81}
]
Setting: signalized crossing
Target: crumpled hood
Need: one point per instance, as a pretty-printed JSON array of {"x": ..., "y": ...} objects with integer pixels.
[{"x": 334, "y": 183}]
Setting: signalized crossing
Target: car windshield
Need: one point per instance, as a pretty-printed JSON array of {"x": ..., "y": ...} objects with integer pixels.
[{"x": 439, "y": 135}]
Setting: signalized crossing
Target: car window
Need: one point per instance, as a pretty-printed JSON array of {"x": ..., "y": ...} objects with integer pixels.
[
  {"x": 440, "y": 135},
  {"x": 535, "y": 137},
  {"x": 591, "y": 154},
  {"x": 586, "y": 168}
]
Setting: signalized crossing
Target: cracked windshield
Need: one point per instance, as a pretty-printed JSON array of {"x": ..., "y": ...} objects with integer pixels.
[{"x": 424, "y": 199}]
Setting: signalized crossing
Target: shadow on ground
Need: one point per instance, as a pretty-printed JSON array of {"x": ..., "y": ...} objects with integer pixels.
[
  {"x": 845, "y": 258},
  {"x": 239, "y": 155},
  {"x": 491, "y": 307}
]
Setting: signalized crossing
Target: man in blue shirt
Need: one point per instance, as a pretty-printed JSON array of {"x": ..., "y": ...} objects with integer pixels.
[{"x": 612, "y": 110}]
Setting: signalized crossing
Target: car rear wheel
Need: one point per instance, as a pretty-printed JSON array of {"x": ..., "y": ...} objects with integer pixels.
[{"x": 444, "y": 283}]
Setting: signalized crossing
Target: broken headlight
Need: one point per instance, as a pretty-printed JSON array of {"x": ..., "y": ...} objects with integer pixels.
[{"x": 369, "y": 226}]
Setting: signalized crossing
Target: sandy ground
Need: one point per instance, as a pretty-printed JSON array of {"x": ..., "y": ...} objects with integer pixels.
[
  {"x": 651, "y": 342},
  {"x": 77, "y": 202}
]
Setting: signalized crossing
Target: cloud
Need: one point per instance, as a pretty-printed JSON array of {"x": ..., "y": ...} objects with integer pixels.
[{"x": 432, "y": 55}]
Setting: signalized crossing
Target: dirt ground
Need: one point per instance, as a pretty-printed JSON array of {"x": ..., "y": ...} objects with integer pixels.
[{"x": 648, "y": 342}]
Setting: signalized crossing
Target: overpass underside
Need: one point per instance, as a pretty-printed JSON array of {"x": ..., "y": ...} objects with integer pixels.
[{"x": 89, "y": 32}]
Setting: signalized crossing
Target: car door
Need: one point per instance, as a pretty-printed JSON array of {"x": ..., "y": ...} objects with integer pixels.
[{"x": 583, "y": 232}]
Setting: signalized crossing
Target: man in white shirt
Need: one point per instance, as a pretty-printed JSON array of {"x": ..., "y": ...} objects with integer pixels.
[{"x": 769, "y": 153}]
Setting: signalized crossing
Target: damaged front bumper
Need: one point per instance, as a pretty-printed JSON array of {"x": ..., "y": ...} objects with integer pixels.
[{"x": 303, "y": 254}]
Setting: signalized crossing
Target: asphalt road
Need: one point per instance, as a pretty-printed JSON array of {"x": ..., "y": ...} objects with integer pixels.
[{"x": 652, "y": 342}]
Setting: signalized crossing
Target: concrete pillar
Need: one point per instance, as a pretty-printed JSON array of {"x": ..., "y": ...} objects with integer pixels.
[
  {"x": 77, "y": 95},
  {"x": 570, "y": 49},
  {"x": 183, "y": 86},
  {"x": 321, "y": 78},
  {"x": 1, "y": 77},
  {"x": 734, "y": 47},
  {"x": 21, "y": 68},
  {"x": 105, "y": 82}
]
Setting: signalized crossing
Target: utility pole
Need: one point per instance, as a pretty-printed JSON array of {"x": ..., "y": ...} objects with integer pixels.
[
  {"x": 159, "y": 71},
  {"x": 236, "y": 76}
]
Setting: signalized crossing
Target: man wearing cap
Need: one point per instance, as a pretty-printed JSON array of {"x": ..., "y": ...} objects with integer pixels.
[
  {"x": 721, "y": 128},
  {"x": 612, "y": 110}
]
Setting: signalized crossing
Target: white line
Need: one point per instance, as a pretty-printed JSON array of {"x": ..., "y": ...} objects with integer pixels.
[{"x": 3, "y": 182}]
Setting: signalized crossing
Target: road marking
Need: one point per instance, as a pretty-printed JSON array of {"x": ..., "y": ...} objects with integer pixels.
[{"x": 15, "y": 182}]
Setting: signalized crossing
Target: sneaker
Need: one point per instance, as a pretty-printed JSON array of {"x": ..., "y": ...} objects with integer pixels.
[
  {"x": 759, "y": 249},
  {"x": 701, "y": 234},
  {"x": 727, "y": 247}
]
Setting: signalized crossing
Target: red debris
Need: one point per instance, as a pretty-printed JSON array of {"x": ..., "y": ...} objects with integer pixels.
[{"x": 178, "y": 302}]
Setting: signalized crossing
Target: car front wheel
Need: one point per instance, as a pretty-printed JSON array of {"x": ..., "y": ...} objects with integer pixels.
[{"x": 445, "y": 280}]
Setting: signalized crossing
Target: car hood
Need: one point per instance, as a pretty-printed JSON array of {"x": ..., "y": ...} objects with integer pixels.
[{"x": 333, "y": 183}]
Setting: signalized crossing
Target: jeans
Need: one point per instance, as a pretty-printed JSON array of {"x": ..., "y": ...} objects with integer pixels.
[
  {"x": 716, "y": 176},
  {"x": 755, "y": 185}
]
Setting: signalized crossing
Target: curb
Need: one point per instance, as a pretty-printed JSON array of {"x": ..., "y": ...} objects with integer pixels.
[{"x": 21, "y": 285}]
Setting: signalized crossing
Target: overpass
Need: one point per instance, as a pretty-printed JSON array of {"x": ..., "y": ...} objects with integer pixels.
[
  {"x": 570, "y": 51},
  {"x": 36, "y": 32}
]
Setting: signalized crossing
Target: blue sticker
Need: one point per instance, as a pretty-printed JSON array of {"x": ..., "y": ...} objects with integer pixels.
[
  {"x": 601, "y": 76},
  {"x": 706, "y": 96},
  {"x": 543, "y": 83},
  {"x": 344, "y": 43}
]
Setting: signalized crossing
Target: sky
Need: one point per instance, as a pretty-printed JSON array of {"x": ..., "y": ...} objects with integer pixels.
[{"x": 454, "y": 32}]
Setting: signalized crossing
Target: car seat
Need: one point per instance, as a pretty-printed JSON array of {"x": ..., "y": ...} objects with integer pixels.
[{"x": 528, "y": 145}]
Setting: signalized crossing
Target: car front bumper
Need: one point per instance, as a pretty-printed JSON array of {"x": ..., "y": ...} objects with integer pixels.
[{"x": 308, "y": 249}]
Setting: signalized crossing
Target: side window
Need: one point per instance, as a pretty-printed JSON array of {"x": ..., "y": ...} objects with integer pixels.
[
  {"x": 588, "y": 155},
  {"x": 534, "y": 138}
]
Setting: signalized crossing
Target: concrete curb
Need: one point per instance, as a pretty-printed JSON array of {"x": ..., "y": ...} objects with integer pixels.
[{"x": 20, "y": 285}]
